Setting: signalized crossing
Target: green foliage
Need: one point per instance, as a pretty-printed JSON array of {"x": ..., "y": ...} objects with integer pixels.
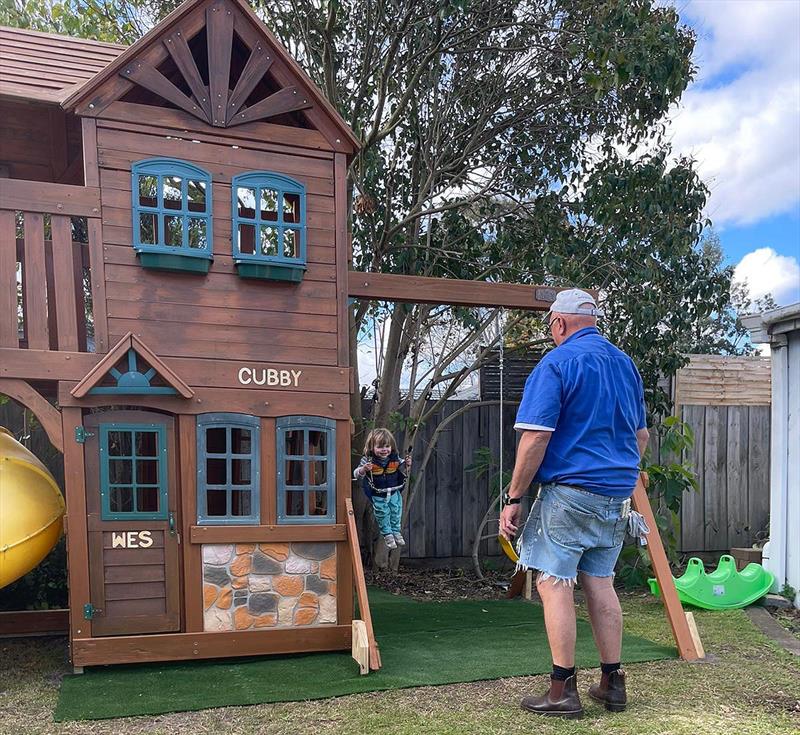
[
  {"x": 43, "y": 588},
  {"x": 484, "y": 463},
  {"x": 788, "y": 592}
]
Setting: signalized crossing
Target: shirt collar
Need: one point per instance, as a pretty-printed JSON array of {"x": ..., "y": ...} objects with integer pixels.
[{"x": 581, "y": 333}]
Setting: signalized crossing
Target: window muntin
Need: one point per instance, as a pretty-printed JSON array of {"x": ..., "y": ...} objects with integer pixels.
[
  {"x": 171, "y": 208},
  {"x": 269, "y": 219},
  {"x": 133, "y": 472},
  {"x": 306, "y": 469},
  {"x": 228, "y": 469}
]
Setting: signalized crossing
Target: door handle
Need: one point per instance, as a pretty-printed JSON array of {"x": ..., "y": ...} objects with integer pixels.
[{"x": 171, "y": 523}]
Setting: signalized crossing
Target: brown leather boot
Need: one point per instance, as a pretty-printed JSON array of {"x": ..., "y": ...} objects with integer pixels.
[
  {"x": 561, "y": 700},
  {"x": 610, "y": 691}
]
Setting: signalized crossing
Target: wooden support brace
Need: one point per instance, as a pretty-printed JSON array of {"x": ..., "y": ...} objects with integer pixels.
[
  {"x": 658, "y": 557},
  {"x": 361, "y": 587}
]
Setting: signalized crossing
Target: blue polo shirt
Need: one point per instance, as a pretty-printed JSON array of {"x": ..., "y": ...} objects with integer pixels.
[{"x": 590, "y": 395}]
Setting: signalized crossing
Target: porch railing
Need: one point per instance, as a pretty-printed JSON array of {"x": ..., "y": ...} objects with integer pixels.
[{"x": 51, "y": 282}]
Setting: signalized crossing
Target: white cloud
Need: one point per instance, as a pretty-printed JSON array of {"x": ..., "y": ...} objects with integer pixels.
[
  {"x": 741, "y": 118},
  {"x": 765, "y": 271}
]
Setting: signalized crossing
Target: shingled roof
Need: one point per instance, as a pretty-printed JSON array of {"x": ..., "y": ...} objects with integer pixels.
[{"x": 48, "y": 67}]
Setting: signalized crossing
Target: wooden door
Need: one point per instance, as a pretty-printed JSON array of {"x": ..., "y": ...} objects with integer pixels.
[{"x": 132, "y": 504}]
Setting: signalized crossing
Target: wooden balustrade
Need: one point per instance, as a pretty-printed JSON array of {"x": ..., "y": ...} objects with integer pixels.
[{"x": 42, "y": 302}]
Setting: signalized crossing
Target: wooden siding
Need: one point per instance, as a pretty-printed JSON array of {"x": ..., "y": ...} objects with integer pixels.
[
  {"x": 47, "y": 67},
  {"x": 220, "y": 315},
  {"x": 716, "y": 380}
]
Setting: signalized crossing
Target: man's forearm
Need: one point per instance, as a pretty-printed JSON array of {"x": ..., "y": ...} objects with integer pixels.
[{"x": 530, "y": 454}]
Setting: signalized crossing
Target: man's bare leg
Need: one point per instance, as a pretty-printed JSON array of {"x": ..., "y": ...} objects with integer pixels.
[
  {"x": 559, "y": 619},
  {"x": 605, "y": 615}
]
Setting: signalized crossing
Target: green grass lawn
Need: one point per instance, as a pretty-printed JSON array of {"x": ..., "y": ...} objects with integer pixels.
[{"x": 750, "y": 687}]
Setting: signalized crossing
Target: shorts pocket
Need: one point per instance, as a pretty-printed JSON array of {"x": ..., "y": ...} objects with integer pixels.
[
  {"x": 620, "y": 527},
  {"x": 570, "y": 527}
]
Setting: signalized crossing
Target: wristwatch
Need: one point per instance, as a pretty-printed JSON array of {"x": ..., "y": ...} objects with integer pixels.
[{"x": 508, "y": 500}]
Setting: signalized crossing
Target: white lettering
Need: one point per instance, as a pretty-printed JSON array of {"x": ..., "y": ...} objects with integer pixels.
[
  {"x": 117, "y": 539},
  {"x": 132, "y": 539},
  {"x": 269, "y": 376},
  {"x": 145, "y": 539}
]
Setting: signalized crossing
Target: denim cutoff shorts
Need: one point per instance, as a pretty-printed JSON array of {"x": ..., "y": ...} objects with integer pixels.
[{"x": 571, "y": 530}]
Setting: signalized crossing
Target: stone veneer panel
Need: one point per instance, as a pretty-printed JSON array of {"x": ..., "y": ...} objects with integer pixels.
[{"x": 275, "y": 585}]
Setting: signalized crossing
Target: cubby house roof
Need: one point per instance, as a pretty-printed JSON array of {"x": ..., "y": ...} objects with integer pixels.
[
  {"x": 47, "y": 67},
  {"x": 291, "y": 90}
]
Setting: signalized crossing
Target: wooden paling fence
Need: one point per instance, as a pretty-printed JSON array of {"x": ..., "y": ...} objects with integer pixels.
[{"x": 726, "y": 402}]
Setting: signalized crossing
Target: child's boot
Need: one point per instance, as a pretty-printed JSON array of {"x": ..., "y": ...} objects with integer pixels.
[
  {"x": 389, "y": 540},
  {"x": 398, "y": 538}
]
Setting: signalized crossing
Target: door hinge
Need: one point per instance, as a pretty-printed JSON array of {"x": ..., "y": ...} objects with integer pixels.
[
  {"x": 81, "y": 434},
  {"x": 89, "y": 611}
]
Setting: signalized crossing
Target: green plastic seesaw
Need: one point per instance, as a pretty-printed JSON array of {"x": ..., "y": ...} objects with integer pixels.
[{"x": 723, "y": 589}]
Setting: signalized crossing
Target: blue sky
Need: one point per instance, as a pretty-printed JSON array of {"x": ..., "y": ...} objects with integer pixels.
[{"x": 740, "y": 120}]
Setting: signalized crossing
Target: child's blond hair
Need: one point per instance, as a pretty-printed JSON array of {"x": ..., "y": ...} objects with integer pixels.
[{"x": 382, "y": 437}]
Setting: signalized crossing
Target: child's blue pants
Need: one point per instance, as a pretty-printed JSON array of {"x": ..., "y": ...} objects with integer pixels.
[{"x": 388, "y": 512}]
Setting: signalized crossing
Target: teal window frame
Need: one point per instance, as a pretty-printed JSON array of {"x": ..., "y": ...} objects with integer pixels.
[
  {"x": 106, "y": 487},
  {"x": 228, "y": 422},
  {"x": 306, "y": 424},
  {"x": 258, "y": 264},
  {"x": 161, "y": 168}
]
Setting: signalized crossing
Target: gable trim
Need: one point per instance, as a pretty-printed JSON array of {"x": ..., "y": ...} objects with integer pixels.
[
  {"x": 189, "y": 18},
  {"x": 130, "y": 342}
]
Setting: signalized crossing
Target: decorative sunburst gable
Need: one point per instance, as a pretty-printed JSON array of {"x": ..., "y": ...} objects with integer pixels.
[
  {"x": 131, "y": 368},
  {"x": 217, "y": 61}
]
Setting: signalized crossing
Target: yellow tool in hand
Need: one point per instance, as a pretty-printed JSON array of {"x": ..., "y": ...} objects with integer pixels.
[{"x": 508, "y": 548}]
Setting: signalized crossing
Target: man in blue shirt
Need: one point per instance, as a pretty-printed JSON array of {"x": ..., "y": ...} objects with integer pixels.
[{"x": 583, "y": 425}]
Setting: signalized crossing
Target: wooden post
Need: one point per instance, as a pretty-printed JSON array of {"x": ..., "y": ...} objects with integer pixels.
[
  {"x": 361, "y": 587},
  {"x": 658, "y": 557}
]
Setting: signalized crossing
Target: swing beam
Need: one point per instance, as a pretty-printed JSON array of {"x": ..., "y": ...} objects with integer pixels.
[{"x": 424, "y": 290}]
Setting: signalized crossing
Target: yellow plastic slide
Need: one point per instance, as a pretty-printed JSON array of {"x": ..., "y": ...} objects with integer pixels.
[{"x": 31, "y": 510}]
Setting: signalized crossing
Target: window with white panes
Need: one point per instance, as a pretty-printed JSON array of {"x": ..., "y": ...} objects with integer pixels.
[
  {"x": 171, "y": 208},
  {"x": 269, "y": 225}
]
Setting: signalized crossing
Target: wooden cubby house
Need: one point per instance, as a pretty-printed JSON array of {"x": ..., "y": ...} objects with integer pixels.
[
  {"x": 175, "y": 216},
  {"x": 174, "y": 284}
]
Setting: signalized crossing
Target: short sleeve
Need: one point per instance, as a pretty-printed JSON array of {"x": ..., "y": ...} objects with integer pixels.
[{"x": 541, "y": 400}]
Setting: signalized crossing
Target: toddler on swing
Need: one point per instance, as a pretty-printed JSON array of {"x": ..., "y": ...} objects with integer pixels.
[{"x": 383, "y": 475}]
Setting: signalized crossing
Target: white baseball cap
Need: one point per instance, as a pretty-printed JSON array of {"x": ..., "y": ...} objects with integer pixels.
[{"x": 574, "y": 301}]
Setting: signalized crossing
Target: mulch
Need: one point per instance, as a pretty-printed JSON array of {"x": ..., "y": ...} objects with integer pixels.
[{"x": 441, "y": 584}]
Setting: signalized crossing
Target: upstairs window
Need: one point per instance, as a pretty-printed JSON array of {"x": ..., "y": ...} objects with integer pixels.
[
  {"x": 306, "y": 469},
  {"x": 269, "y": 226},
  {"x": 172, "y": 215},
  {"x": 228, "y": 469}
]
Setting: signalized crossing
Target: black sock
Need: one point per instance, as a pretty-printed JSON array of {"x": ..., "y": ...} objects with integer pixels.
[
  {"x": 608, "y": 668},
  {"x": 562, "y": 674}
]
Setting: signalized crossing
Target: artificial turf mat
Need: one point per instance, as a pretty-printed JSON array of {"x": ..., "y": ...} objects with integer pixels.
[{"x": 421, "y": 643}]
